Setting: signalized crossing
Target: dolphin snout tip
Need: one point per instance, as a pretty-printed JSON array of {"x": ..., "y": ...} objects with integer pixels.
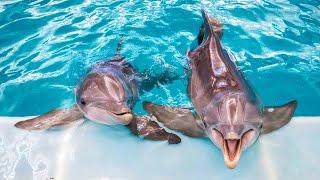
[
  {"x": 231, "y": 152},
  {"x": 231, "y": 165}
]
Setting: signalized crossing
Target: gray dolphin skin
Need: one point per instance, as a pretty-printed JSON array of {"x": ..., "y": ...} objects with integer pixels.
[
  {"x": 106, "y": 95},
  {"x": 226, "y": 109}
]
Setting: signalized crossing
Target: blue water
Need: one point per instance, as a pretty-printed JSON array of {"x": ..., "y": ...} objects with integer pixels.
[{"x": 46, "y": 46}]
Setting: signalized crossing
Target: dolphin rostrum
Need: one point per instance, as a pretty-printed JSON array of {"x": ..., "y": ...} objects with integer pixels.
[
  {"x": 106, "y": 95},
  {"x": 226, "y": 109}
]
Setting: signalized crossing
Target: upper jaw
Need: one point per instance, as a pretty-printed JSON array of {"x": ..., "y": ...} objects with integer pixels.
[
  {"x": 231, "y": 152},
  {"x": 124, "y": 116},
  {"x": 230, "y": 147}
]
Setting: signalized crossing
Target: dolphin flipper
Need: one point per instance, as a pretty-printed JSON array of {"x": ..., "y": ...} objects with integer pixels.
[
  {"x": 144, "y": 126},
  {"x": 53, "y": 118},
  {"x": 277, "y": 116},
  {"x": 180, "y": 119},
  {"x": 148, "y": 81}
]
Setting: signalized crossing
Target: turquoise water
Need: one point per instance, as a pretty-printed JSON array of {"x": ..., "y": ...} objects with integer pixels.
[{"x": 47, "y": 46}]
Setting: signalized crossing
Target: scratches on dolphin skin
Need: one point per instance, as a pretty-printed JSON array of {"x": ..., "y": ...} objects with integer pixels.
[
  {"x": 234, "y": 110},
  {"x": 221, "y": 73},
  {"x": 233, "y": 83},
  {"x": 213, "y": 79},
  {"x": 219, "y": 83},
  {"x": 222, "y": 83}
]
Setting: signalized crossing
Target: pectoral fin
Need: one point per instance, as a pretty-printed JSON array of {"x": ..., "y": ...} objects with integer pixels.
[
  {"x": 53, "y": 118},
  {"x": 277, "y": 116},
  {"x": 180, "y": 119},
  {"x": 144, "y": 126}
]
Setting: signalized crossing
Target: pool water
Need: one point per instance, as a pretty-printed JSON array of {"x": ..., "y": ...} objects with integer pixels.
[{"x": 47, "y": 46}]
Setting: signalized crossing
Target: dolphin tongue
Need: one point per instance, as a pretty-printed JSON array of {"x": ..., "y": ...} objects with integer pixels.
[{"x": 232, "y": 146}]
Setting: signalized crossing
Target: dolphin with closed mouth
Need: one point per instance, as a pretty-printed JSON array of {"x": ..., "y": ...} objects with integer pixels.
[
  {"x": 106, "y": 95},
  {"x": 226, "y": 108}
]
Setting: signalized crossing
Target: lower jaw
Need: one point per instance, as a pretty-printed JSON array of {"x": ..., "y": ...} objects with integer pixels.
[
  {"x": 125, "y": 118},
  {"x": 231, "y": 164}
]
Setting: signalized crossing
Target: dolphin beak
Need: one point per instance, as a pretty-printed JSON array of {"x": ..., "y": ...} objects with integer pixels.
[
  {"x": 232, "y": 145},
  {"x": 125, "y": 115},
  {"x": 231, "y": 152}
]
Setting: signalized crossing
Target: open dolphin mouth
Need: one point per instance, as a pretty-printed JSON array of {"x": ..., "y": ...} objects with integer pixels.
[
  {"x": 232, "y": 147},
  {"x": 101, "y": 115},
  {"x": 231, "y": 152},
  {"x": 125, "y": 116}
]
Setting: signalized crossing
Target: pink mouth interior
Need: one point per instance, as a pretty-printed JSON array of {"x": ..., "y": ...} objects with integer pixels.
[{"x": 232, "y": 148}]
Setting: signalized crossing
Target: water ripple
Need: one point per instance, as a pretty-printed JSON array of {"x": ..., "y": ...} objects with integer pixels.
[{"x": 46, "y": 46}]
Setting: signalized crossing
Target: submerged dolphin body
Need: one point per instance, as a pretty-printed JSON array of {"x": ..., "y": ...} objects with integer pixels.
[
  {"x": 106, "y": 95},
  {"x": 227, "y": 110}
]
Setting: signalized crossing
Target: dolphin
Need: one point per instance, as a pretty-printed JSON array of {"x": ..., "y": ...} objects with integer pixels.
[
  {"x": 106, "y": 95},
  {"x": 225, "y": 107}
]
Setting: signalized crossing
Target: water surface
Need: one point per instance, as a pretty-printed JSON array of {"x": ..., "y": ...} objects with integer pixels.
[{"x": 47, "y": 46}]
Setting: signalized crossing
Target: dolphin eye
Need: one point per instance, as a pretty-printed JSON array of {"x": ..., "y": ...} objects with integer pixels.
[
  {"x": 205, "y": 124},
  {"x": 83, "y": 102}
]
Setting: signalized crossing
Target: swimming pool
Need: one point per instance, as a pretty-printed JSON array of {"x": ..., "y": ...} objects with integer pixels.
[{"x": 47, "y": 46}]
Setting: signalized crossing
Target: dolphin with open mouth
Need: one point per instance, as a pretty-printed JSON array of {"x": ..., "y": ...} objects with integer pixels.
[
  {"x": 106, "y": 95},
  {"x": 226, "y": 108}
]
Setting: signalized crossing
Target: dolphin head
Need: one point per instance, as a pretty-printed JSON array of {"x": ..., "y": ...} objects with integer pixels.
[
  {"x": 103, "y": 97},
  {"x": 233, "y": 123}
]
